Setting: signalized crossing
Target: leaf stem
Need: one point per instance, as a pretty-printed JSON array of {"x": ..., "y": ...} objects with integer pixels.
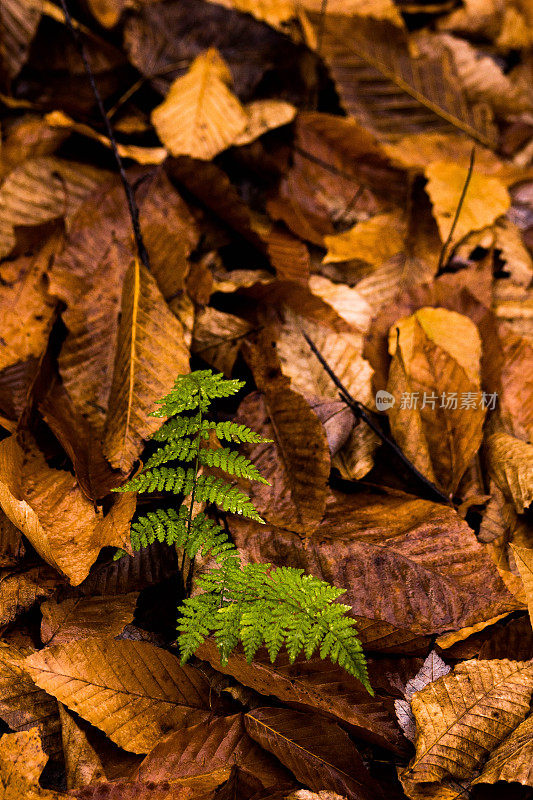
[
  {"x": 361, "y": 412},
  {"x": 449, "y": 238}
]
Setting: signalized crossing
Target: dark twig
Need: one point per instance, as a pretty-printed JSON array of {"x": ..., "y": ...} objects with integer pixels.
[
  {"x": 447, "y": 243},
  {"x": 362, "y": 412},
  {"x": 128, "y": 190}
]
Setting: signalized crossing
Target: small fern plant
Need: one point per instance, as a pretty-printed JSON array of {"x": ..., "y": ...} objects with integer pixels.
[{"x": 254, "y": 604}]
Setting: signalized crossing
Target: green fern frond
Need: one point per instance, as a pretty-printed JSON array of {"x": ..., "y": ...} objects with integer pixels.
[
  {"x": 253, "y": 604},
  {"x": 232, "y": 462}
]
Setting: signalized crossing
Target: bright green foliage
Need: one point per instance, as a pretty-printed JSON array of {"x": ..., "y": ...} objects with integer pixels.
[{"x": 254, "y": 604}]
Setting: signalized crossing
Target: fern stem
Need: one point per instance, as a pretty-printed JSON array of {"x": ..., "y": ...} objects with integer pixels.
[{"x": 188, "y": 583}]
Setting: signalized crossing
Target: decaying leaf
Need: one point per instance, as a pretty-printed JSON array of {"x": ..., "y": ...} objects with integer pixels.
[
  {"x": 438, "y": 410},
  {"x": 151, "y": 352},
  {"x": 512, "y": 760},
  {"x": 18, "y": 22},
  {"x": 217, "y": 338},
  {"x": 82, "y": 764},
  {"x": 47, "y": 506},
  {"x": 432, "y": 668},
  {"x": 511, "y": 464},
  {"x": 82, "y": 618},
  {"x": 143, "y": 691},
  {"x": 263, "y": 116},
  {"x": 480, "y": 701},
  {"x": 200, "y": 116},
  {"x": 374, "y": 240},
  {"x": 21, "y": 762},
  {"x": 524, "y": 562}
]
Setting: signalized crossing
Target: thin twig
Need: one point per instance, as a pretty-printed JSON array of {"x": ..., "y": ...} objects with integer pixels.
[
  {"x": 320, "y": 32},
  {"x": 128, "y": 190},
  {"x": 447, "y": 243},
  {"x": 362, "y": 412}
]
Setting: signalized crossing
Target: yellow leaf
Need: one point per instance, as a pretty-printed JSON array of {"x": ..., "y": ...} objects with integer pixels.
[
  {"x": 263, "y": 116},
  {"x": 107, "y": 12},
  {"x": 21, "y": 762},
  {"x": 133, "y": 691},
  {"x": 512, "y": 761},
  {"x": 479, "y": 703},
  {"x": 377, "y": 9},
  {"x": 374, "y": 240},
  {"x": 485, "y": 200},
  {"x": 151, "y": 352},
  {"x": 273, "y": 12},
  {"x": 200, "y": 116}
]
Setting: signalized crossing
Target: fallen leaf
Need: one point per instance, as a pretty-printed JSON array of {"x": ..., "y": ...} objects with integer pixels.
[
  {"x": 510, "y": 462},
  {"x": 524, "y": 562},
  {"x": 512, "y": 760},
  {"x": 374, "y": 240},
  {"x": 200, "y": 116},
  {"x": 299, "y": 740},
  {"x": 21, "y": 762},
  {"x": 203, "y": 787},
  {"x": 274, "y": 12},
  {"x": 263, "y": 116},
  {"x": 217, "y": 338},
  {"x": 19, "y": 21},
  {"x": 20, "y": 589},
  {"x": 432, "y": 668},
  {"x": 82, "y": 618},
  {"x": 485, "y": 200},
  {"x": 47, "y": 506},
  {"x": 82, "y": 764},
  {"x": 479, "y": 700},
  {"x": 107, "y": 12},
  {"x": 206, "y": 747},
  {"x": 144, "y": 692},
  {"x": 151, "y": 351}
]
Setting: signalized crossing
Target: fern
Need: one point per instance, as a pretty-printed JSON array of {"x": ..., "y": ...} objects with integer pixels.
[{"x": 253, "y": 604}]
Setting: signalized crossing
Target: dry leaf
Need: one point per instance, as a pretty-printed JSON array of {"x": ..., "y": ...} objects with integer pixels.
[
  {"x": 151, "y": 352},
  {"x": 485, "y": 200},
  {"x": 203, "y": 787},
  {"x": 47, "y": 506},
  {"x": 274, "y": 12},
  {"x": 142, "y": 691},
  {"x": 374, "y": 240},
  {"x": 21, "y": 588},
  {"x": 480, "y": 701},
  {"x": 21, "y": 762},
  {"x": 107, "y": 12},
  {"x": 18, "y": 20},
  {"x": 432, "y": 669},
  {"x": 206, "y": 747},
  {"x": 200, "y": 116},
  {"x": 217, "y": 338},
  {"x": 82, "y": 618},
  {"x": 317, "y": 751},
  {"x": 82, "y": 764},
  {"x": 39, "y": 190},
  {"x": 524, "y": 562},
  {"x": 510, "y": 462},
  {"x": 512, "y": 761},
  {"x": 438, "y": 412},
  {"x": 263, "y": 116}
]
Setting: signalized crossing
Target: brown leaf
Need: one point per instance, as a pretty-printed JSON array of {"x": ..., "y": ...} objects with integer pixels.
[
  {"x": 18, "y": 21},
  {"x": 202, "y": 787},
  {"x": 200, "y": 116},
  {"x": 42, "y": 189},
  {"x": 316, "y": 750},
  {"x": 217, "y": 338},
  {"x": 23, "y": 706},
  {"x": 82, "y": 618},
  {"x": 21, "y": 762},
  {"x": 374, "y": 240},
  {"x": 143, "y": 691},
  {"x": 480, "y": 701},
  {"x": 315, "y": 685},
  {"x": 408, "y": 562},
  {"x": 11, "y": 545},
  {"x": 512, "y": 761},
  {"x": 151, "y": 353},
  {"x": 432, "y": 668},
  {"x": 524, "y": 562},
  {"x": 436, "y": 356},
  {"x": 131, "y": 573},
  {"x": 297, "y": 463},
  {"x": 20, "y": 589},
  {"x": 206, "y": 747},
  {"x": 82, "y": 764},
  {"x": 47, "y": 505},
  {"x": 510, "y": 462},
  {"x": 363, "y": 54},
  {"x": 263, "y": 116}
]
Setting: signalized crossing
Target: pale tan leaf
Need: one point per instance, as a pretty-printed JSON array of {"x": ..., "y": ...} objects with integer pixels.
[
  {"x": 21, "y": 762},
  {"x": 381, "y": 286},
  {"x": 217, "y": 338},
  {"x": 463, "y": 716},
  {"x": 304, "y": 794},
  {"x": 47, "y": 505},
  {"x": 263, "y": 116},
  {"x": 436, "y": 356},
  {"x": 374, "y": 240},
  {"x": 388, "y": 90},
  {"x": 510, "y": 462},
  {"x": 524, "y": 562},
  {"x": 419, "y": 150},
  {"x": 200, "y": 116},
  {"x": 23, "y": 705},
  {"x": 447, "y": 640},
  {"x": 512, "y": 761},
  {"x": 42, "y": 189},
  {"x": 485, "y": 200},
  {"x": 432, "y": 668},
  {"x": 82, "y": 763},
  {"x": 151, "y": 353},
  {"x": 513, "y": 252},
  {"x": 81, "y": 618},
  {"x": 19, "y": 20},
  {"x": 133, "y": 691},
  {"x": 347, "y": 302}
]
